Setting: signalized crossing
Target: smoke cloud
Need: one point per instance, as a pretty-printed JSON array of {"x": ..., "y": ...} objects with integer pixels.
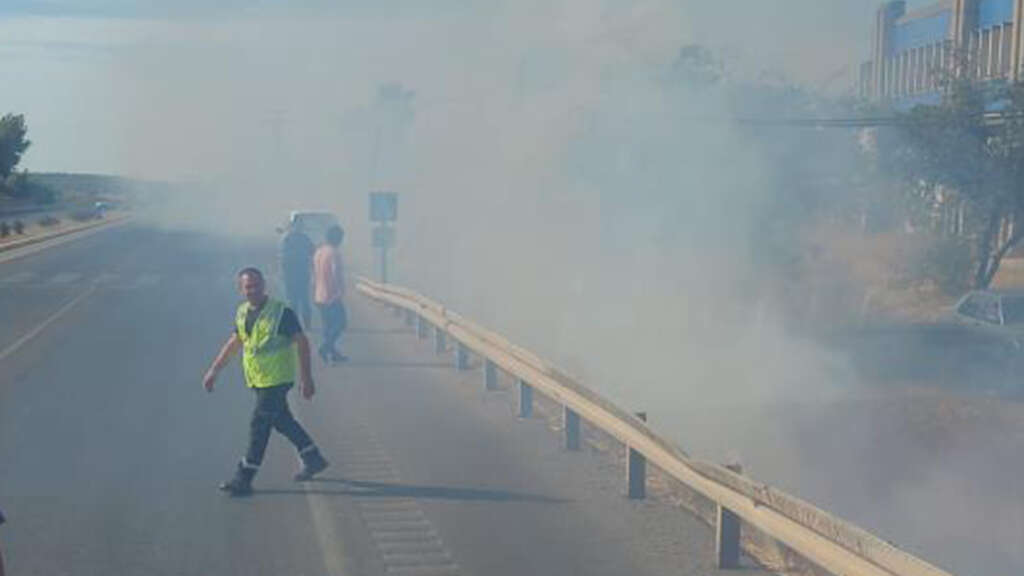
[{"x": 558, "y": 182}]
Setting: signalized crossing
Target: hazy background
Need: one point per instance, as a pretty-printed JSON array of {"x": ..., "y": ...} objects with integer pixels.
[{"x": 557, "y": 182}]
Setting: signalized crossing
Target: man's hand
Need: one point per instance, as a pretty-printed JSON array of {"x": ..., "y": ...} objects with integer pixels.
[
  {"x": 307, "y": 388},
  {"x": 209, "y": 379},
  {"x": 234, "y": 344}
]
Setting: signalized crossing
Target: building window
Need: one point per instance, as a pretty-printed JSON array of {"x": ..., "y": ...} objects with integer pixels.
[
  {"x": 948, "y": 63},
  {"x": 930, "y": 62},
  {"x": 909, "y": 73},
  {"x": 915, "y": 69},
  {"x": 1007, "y": 50},
  {"x": 922, "y": 73},
  {"x": 984, "y": 53},
  {"x": 973, "y": 59},
  {"x": 903, "y": 58},
  {"x": 996, "y": 61},
  {"x": 897, "y": 74},
  {"x": 892, "y": 74}
]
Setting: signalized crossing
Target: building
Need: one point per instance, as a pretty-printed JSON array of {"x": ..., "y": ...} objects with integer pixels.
[{"x": 912, "y": 51}]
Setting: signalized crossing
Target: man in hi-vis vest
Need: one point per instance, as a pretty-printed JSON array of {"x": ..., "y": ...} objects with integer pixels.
[{"x": 268, "y": 333}]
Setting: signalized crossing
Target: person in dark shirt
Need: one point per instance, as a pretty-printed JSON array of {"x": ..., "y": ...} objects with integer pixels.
[
  {"x": 296, "y": 267},
  {"x": 269, "y": 334}
]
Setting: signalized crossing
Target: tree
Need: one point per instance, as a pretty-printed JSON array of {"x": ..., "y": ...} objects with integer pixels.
[
  {"x": 13, "y": 142},
  {"x": 970, "y": 148}
]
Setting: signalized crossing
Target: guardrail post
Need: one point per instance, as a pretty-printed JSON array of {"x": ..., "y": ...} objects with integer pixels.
[
  {"x": 571, "y": 420},
  {"x": 490, "y": 375},
  {"x": 461, "y": 356},
  {"x": 525, "y": 399},
  {"x": 422, "y": 327},
  {"x": 440, "y": 343},
  {"x": 636, "y": 470},
  {"x": 727, "y": 533},
  {"x": 410, "y": 317}
]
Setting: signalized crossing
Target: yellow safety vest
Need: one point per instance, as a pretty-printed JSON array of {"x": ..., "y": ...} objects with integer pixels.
[{"x": 268, "y": 358}]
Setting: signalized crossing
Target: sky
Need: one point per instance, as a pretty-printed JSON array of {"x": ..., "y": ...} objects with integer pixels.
[{"x": 83, "y": 71}]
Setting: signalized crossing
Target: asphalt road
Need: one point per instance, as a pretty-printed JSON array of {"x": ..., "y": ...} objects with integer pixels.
[{"x": 110, "y": 451}]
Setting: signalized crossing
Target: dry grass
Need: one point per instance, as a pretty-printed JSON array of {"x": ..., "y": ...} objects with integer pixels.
[{"x": 1010, "y": 275}]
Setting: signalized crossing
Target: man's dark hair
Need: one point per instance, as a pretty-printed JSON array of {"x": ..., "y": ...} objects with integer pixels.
[
  {"x": 250, "y": 271},
  {"x": 334, "y": 235}
]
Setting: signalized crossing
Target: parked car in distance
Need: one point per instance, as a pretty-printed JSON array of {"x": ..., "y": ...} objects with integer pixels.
[{"x": 995, "y": 312}]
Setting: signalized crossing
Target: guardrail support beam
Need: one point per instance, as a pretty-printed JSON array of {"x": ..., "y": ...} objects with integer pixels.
[
  {"x": 410, "y": 317},
  {"x": 461, "y": 356},
  {"x": 525, "y": 399},
  {"x": 727, "y": 539},
  {"x": 422, "y": 327},
  {"x": 490, "y": 375},
  {"x": 636, "y": 470},
  {"x": 727, "y": 533},
  {"x": 440, "y": 340},
  {"x": 571, "y": 421}
]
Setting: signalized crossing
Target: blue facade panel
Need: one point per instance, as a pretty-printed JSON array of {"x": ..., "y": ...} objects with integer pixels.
[
  {"x": 994, "y": 12},
  {"x": 905, "y": 103},
  {"x": 918, "y": 32}
]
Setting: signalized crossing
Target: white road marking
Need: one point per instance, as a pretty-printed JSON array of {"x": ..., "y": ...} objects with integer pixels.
[
  {"x": 147, "y": 280},
  {"x": 65, "y": 278},
  {"x": 418, "y": 559},
  {"x": 331, "y": 547},
  {"x": 420, "y": 525},
  {"x": 441, "y": 570},
  {"x": 106, "y": 278},
  {"x": 18, "y": 278},
  {"x": 410, "y": 546},
  {"x": 390, "y": 537},
  {"x": 381, "y": 505},
  {"x": 385, "y": 515},
  {"x": 11, "y": 349}
]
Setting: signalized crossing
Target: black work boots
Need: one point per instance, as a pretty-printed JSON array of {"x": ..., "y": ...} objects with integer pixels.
[
  {"x": 313, "y": 463},
  {"x": 241, "y": 483}
]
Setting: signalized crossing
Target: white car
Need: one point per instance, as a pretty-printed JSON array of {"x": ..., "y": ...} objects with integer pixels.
[
  {"x": 314, "y": 223},
  {"x": 997, "y": 313}
]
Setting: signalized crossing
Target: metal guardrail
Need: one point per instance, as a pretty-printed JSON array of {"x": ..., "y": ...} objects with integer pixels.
[{"x": 829, "y": 542}]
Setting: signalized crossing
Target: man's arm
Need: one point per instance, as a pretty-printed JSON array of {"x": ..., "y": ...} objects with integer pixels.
[
  {"x": 226, "y": 352},
  {"x": 305, "y": 367}
]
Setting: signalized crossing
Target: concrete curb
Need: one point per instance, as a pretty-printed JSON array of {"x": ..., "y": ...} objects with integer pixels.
[{"x": 66, "y": 232}]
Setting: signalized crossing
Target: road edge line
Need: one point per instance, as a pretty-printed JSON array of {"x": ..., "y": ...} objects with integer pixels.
[{"x": 12, "y": 348}]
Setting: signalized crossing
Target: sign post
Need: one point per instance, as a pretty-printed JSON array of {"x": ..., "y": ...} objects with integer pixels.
[{"x": 383, "y": 212}]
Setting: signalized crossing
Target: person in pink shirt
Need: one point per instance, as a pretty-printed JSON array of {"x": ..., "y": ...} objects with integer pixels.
[{"x": 329, "y": 292}]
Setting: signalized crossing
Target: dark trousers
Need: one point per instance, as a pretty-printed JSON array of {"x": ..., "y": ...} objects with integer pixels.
[
  {"x": 334, "y": 320},
  {"x": 296, "y": 291},
  {"x": 272, "y": 412}
]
